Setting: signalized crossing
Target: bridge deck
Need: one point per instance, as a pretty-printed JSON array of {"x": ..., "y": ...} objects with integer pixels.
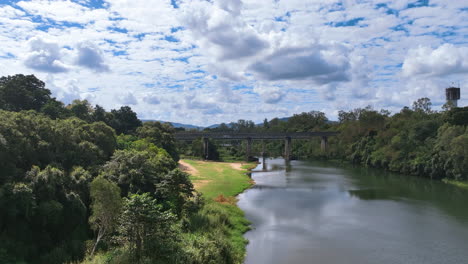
[{"x": 253, "y": 136}]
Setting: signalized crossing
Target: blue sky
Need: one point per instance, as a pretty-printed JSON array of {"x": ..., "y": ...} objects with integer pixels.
[{"x": 205, "y": 62}]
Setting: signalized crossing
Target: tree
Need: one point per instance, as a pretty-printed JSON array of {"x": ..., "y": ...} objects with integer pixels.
[
  {"x": 305, "y": 122},
  {"x": 175, "y": 189},
  {"x": 266, "y": 125},
  {"x": 105, "y": 206},
  {"x": 161, "y": 135},
  {"x": 125, "y": 120},
  {"x": 22, "y": 92},
  {"x": 458, "y": 116},
  {"x": 55, "y": 109},
  {"x": 423, "y": 105},
  {"x": 146, "y": 228},
  {"x": 138, "y": 171},
  {"x": 81, "y": 109},
  {"x": 100, "y": 115}
]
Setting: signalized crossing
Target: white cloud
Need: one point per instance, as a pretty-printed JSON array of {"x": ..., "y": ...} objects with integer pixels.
[
  {"x": 63, "y": 10},
  {"x": 237, "y": 59},
  {"x": 90, "y": 56},
  {"x": 45, "y": 56},
  {"x": 127, "y": 99},
  {"x": 318, "y": 63},
  {"x": 270, "y": 94},
  {"x": 151, "y": 99},
  {"x": 444, "y": 60}
]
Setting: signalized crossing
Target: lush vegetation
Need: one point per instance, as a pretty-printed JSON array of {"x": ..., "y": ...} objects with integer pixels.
[
  {"x": 78, "y": 183},
  {"x": 220, "y": 182},
  {"x": 415, "y": 140}
]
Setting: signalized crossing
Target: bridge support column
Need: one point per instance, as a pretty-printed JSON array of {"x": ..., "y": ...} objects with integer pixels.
[
  {"x": 248, "y": 150},
  {"x": 287, "y": 148},
  {"x": 205, "y": 148},
  {"x": 324, "y": 144},
  {"x": 263, "y": 148}
]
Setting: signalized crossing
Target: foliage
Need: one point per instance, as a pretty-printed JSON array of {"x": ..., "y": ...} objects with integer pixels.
[
  {"x": 161, "y": 135},
  {"x": 22, "y": 92},
  {"x": 124, "y": 120},
  {"x": 216, "y": 231},
  {"x": 51, "y": 196},
  {"x": 137, "y": 171},
  {"x": 34, "y": 213},
  {"x": 105, "y": 207},
  {"x": 147, "y": 229}
]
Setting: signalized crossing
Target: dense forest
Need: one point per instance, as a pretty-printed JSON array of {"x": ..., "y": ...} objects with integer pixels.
[
  {"x": 417, "y": 140},
  {"x": 78, "y": 182}
]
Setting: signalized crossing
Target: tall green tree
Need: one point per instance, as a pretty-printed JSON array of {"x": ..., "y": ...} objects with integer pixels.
[
  {"x": 147, "y": 229},
  {"x": 124, "y": 120},
  {"x": 22, "y": 92},
  {"x": 161, "y": 135},
  {"x": 81, "y": 109},
  {"x": 105, "y": 207}
]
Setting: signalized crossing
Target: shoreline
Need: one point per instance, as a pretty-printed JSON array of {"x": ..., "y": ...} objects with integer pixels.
[{"x": 220, "y": 183}]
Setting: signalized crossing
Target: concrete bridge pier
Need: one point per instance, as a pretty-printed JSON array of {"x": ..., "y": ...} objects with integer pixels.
[
  {"x": 248, "y": 150},
  {"x": 263, "y": 148},
  {"x": 287, "y": 148},
  {"x": 324, "y": 144},
  {"x": 205, "y": 148}
]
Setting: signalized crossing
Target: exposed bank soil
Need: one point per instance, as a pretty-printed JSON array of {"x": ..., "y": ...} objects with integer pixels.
[
  {"x": 184, "y": 166},
  {"x": 236, "y": 166}
]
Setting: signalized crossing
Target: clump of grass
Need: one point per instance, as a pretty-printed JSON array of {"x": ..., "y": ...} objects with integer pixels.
[{"x": 226, "y": 200}]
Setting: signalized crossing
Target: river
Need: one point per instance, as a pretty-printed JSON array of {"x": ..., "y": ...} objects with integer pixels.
[{"x": 315, "y": 212}]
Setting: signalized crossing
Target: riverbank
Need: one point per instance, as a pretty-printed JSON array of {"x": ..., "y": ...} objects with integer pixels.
[
  {"x": 220, "y": 183},
  {"x": 460, "y": 184}
]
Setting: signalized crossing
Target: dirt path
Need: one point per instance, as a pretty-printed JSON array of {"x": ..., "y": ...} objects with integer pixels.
[
  {"x": 184, "y": 166},
  {"x": 236, "y": 165}
]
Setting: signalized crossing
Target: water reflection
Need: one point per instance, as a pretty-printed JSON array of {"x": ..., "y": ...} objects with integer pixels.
[{"x": 318, "y": 213}]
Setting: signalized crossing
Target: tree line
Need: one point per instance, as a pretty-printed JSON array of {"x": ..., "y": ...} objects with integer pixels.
[
  {"x": 416, "y": 140},
  {"x": 78, "y": 182}
]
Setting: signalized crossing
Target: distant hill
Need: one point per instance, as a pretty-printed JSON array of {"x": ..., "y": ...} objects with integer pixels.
[
  {"x": 176, "y": 125},
  {"x": 187, "y": 126},
  {"x": 259, "y": 124}
]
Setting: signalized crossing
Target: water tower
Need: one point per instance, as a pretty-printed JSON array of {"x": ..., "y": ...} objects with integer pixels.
[{"x": 453, "y": 95}]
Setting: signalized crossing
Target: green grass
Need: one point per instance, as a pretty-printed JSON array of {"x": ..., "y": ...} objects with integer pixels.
[
  {"x": 220, "y": 178},
  {"x": 461, "y": 184}
]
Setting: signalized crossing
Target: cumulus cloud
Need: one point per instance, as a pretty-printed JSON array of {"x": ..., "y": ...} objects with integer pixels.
[
  {"x": 278, "y": 54},
  {"x": 63, "y": 11},
  {"x": 127, "y": 99},
  {"x": 151, "y": 99},
  {"x": 91, "y": 57},
  {"x": 220, "y": 32},
  {"x": 321, "y": 64},
  {"x": 207, "y": 107},
  {"x": 226, "y": 94},
  {"x": 44, "y": 56},
  {"x": 270, "y": 94},
  {"x": 444, "y": 60},
  {"x": 232, "y": 6},
  {"x": 65, "y": 91}
]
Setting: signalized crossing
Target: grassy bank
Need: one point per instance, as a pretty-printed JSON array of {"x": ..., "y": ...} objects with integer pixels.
[
  {"x": 220, "y": 182},
  {"x": 461, "y": 184}
]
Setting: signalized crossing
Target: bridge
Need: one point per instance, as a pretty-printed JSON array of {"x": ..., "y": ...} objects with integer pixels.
[{"x": 249, "y": 137}]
